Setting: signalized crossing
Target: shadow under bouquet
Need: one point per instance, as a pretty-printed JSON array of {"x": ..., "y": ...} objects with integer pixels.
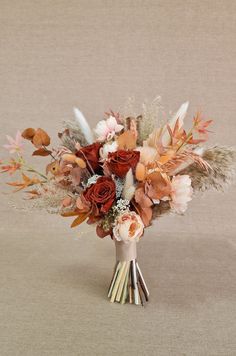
[{"x": 121, "y": 176}]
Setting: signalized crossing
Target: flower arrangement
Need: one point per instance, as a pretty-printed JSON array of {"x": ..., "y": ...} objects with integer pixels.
[{"x": 121, "y": 176}]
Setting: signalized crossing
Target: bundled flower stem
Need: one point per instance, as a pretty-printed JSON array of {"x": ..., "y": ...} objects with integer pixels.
[{"x": 127, "y": 283}]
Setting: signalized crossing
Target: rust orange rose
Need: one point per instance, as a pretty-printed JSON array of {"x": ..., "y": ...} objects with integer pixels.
[
  {"x": 121, "y": 161},
  {"x": 101, "y": 195},
  {"x": 90, "y": 154}
]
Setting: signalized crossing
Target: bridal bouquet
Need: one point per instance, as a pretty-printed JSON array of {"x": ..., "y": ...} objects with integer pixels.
[{"x": 121, "y": 176}]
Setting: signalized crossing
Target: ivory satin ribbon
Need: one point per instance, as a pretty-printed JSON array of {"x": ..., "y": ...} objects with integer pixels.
[{"x": 125, "y": 251}]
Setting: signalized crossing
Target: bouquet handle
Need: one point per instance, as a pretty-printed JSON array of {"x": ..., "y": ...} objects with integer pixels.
[{"x": 127, "y": 283}]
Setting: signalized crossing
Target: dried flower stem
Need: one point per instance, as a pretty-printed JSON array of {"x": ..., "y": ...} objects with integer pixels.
[{"x": 128, "y": 284}]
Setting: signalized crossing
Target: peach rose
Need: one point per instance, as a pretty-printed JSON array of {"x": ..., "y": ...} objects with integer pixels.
[{"x": 128, "y": 227}]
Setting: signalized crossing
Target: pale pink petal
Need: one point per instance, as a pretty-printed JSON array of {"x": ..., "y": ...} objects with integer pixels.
[
  {"x": 7, "y": 146},
  {"x": 118, "y": 128},
  {"x": 18, "y": 138},
  {"x": 10, "y": 139},
  {"x": 111, "y": 123}
]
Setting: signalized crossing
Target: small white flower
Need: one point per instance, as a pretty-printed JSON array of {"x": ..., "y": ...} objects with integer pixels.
[
  {"x": 108, "y": 147},
  {"x": 106, "y": 129},
  {"x": 92, "y": 180},
  {"x": 156, "y": 201}
]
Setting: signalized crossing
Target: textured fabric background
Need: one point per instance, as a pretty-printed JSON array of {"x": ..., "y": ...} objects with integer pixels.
[{"x": 94, "y": 54}]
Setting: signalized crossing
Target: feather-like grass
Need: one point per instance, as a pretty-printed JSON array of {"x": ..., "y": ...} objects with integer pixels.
[{"x": 223, "y": 169}]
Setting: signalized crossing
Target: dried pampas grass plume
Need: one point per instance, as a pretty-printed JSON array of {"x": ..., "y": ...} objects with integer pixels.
[{"x": 223, "y": 169}]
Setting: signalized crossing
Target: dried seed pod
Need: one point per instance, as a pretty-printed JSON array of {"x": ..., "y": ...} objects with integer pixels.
[
  {"x": 140, "y": 172},
  {"x": 81, "y": 163},
  {"x": 69, "y": 157}
]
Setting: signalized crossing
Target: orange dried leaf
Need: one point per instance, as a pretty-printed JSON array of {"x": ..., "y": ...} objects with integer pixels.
[
  {"x": 11, "y": 168},
  {"x": 193, "y": 141},
  {"x": 33, "y": 194},
  {"x": 28, "y": 134},
  {"x": 157, "y": 185},
  {"x": 127, "y": 140},
  {"x": 41, "y": 138},
  {"x": 80, "y": 218},
  {"x": 41, "y": 152},
  {"x": 70, "y": 213},
  {"x": 33, "y": 191},
  {"x": 145, "y": 213},
  {"x": 38, "y": 137},
  {"x": 27, "y": 182}
]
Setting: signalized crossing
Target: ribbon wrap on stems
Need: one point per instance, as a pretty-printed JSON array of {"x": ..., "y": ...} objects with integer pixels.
[
  {"x": 126, "y": 251},
  {"x": 127, "y": 283}
]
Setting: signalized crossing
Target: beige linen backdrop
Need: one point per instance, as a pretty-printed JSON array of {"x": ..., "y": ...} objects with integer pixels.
[{"x": 56, "y": 54}]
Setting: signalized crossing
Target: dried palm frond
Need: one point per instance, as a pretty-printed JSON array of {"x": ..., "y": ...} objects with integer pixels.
[
  {"x": 182, "y": 160},
  {"x": 222, "y": 161}
]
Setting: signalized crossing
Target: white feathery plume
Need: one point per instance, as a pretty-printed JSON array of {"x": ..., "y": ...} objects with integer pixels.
[
  {"x": 180, "y": 114},
  {"x": 129, "y": 188},
  {"x": 84, "y": 126}
]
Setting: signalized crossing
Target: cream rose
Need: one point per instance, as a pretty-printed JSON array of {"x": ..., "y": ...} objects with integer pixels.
[{"x": 128, "y": 227}]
